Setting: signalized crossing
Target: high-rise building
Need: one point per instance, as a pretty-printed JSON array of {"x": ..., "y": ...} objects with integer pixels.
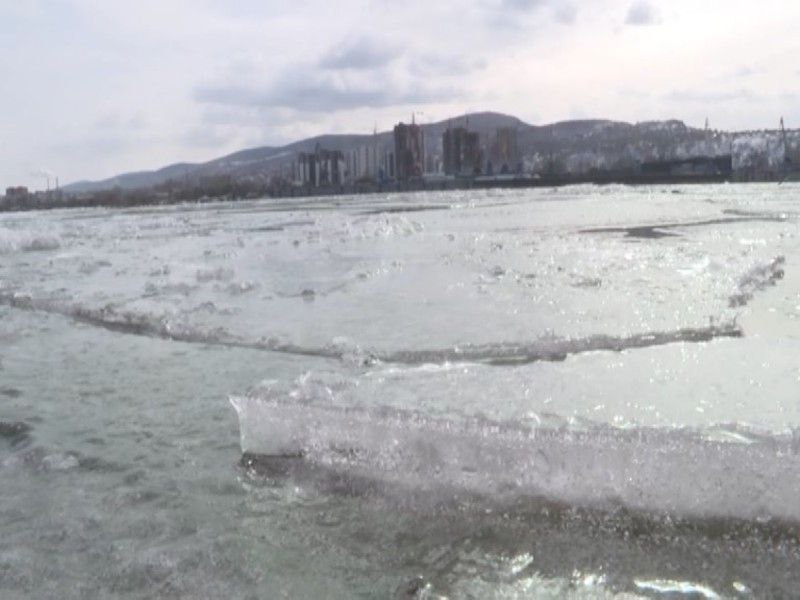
[
  {"x": 321, "y": 167},
  {"x": 364, "y": 162},
  {"x": 505, "y": 155},
  {"x": 409, "y": 151},
  {"x": 462, "y": 152}
]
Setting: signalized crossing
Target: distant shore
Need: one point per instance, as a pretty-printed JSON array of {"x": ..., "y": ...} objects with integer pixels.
[{"x": 132, "y": 198}]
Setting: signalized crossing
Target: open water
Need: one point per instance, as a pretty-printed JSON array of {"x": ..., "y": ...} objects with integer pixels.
[{"x": 580, "y": 392}]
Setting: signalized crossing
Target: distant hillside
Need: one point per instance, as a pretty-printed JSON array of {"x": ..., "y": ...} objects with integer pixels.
[
  {"x": 268, "y": 159},
  {"x": 138, "y": 179},
  {"x": 589, "y": 142}
]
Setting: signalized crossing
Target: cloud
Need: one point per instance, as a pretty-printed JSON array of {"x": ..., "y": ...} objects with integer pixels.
[
  {"x": 521, "y": 4},
  {"x": 641, "y": 12},
  {"x": 566, "y": 14},
  {"x": 105, "y": 145},
  {"x": 434, "y": 64},
  {"x": 362, "y": 53},
  {"x": 507, "y": 12},
  {"x": 209, "y": 137},
  {"x": 308, "y": 90},
  {"x": 712, "y": 97},
  {"x": 113, "y": 121},
  {"x": 313, "y": 96},
  {"x": 749, "y": 71}
]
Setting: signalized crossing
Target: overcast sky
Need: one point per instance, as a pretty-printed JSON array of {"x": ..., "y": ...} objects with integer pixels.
[{"x": 92, "y": 88}]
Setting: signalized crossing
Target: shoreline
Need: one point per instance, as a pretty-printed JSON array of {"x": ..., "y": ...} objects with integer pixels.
[{"x": 134, "y": 198}]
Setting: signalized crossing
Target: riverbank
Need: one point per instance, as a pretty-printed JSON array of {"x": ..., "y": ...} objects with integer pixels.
[{"x": 131, "y": 198}]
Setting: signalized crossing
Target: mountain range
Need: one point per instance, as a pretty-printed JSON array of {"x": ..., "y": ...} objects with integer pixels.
[{"x": 601, "y": 138}]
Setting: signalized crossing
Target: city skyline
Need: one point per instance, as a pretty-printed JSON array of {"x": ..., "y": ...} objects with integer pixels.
[{"x": 97, "y": 92}]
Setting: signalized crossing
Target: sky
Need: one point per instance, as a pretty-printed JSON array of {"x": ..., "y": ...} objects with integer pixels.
[{"x": 93, "y": 88}]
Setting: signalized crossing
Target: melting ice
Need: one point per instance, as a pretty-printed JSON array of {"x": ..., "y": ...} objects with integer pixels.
[{"x": 588, "y": 391}]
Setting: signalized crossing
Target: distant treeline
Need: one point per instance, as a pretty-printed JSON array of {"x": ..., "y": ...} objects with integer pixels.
[
  {"x": 226, "y": 188},
  {"x": 206, "y": 189}
]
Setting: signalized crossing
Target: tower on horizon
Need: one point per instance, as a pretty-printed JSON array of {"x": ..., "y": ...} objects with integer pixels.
[
  {"x": 462, "y": 152},
  {"x": 409, "y": 151}
]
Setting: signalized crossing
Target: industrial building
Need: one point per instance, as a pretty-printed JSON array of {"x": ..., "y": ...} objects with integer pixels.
[{"x": 17, "y": 194}]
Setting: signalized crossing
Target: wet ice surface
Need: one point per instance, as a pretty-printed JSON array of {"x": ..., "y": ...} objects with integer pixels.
[{"x": 585, "y": 392}]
